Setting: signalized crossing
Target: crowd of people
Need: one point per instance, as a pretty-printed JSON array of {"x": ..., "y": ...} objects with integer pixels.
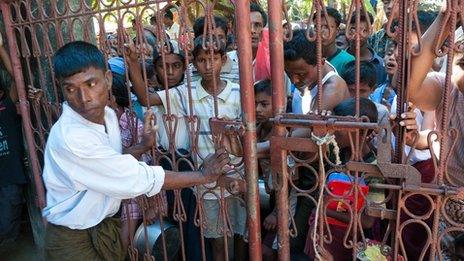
[{"x": 98, "y": 159}]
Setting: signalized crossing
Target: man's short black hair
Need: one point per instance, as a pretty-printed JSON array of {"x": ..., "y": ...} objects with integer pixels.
[
  {"x": 198, "y": 45},
  {"x": 168, "y": 14},
  {"x": 76, "y": 57},
  {"x": 366, "y": 108},
  {"x": 199, "y": 25},
  {"x": 299, "y": 47},
  {"x": 263, "y": 86},
  {"x": 362, "y": 18},
  {"x": 335, "y": 14},
  {"x": 254, "y": 7},
  {"x": 367, "y": 73}
]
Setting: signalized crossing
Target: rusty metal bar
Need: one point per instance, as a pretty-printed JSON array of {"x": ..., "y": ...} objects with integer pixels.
[
  {"x": 279, "y": 107},
  {"x": 247, "y": 97},
  {"x": 23, "y": 103},
  {"x": 338, "y": 125},
  {"x": 402, "y": 78}
]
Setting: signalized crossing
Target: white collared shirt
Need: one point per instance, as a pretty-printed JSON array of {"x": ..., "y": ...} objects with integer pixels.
[
  {"x": 173, "y": 31},
  {"x": 85, "y": 173}
]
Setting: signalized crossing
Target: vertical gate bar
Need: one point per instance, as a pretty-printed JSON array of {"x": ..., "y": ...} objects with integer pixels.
[
  {"x": 403, "y": 50},
  {"x": 23, "y": 104},
  {"x": 278, "y": 107},
  {"x": 453, "y": 6},
  {"x": 247, "y": 97},
  {"x": 319, "y": 65}
]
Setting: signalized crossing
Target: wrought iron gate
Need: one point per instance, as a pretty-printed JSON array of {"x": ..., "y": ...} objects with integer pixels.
[{"x": 36, "y": 29}]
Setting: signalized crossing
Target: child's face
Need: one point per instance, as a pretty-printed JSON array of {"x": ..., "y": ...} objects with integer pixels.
[
  {"x": 341, "y": 42},
  {"x": 364, "y": 90},
  {"x": 391, "y": 66},
  {"x": 174, "y": 69},
  {"x": 263, "y": 106},
  {"x": 220, "y": 34},
  {"x": 364, "y": 28},
  {"x": 329, "y": 30},
  {"x": 388, "y": 7},
  {"x": 205, "y": 66}
]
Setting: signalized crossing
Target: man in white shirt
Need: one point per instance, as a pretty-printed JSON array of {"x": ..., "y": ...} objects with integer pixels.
[
  {"x": 87, "y": 174},
  {"x": 172, "y": 28}
]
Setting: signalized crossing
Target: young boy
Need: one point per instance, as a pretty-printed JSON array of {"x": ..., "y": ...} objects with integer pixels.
[
  {"x": 385, "y": 92},
  {"x": 367, "y": 84},
  {"x": 263, "y": 105},
  {"x": 172, "y": 74},
  {"x": 172, "y": 28},
  {"x": 228, "y": 98},
  {"x": 230, "y": 70},
  {"x": 335, "y": 56},
  {"x": 367, "y": 54},
  {"x": 379, "y": 40}
]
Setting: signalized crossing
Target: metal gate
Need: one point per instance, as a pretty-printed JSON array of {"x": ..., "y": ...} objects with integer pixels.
[
  {"x": 401, "y": 181},
  {"x": 36, "y": 29}
]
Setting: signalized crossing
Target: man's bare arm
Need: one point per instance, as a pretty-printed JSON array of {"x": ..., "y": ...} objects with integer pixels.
[
  {"x": 425, "y": 94},
  {"x": 334, "y": 92},
  {"x": 211, "y": 170}
]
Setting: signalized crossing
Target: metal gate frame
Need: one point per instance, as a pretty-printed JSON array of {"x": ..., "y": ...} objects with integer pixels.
[
  {"x": 35, "y": 136},
  {"x": 404, "y": 180},
  {"x": 405, "y": 185}
]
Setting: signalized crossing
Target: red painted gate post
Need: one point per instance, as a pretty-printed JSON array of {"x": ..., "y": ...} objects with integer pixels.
[{"x": 247, "y": 96}]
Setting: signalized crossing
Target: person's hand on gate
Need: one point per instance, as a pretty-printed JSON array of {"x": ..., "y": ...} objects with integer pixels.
[
  {"x": 214, "y": 165},
  {"x": 408, "y": 120},
  {"x": 131, "y": 52},
  {"x": 149, "y": 130},
  {"x": 270, "y": 222},
  {"x": 34, "y": 94}
]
